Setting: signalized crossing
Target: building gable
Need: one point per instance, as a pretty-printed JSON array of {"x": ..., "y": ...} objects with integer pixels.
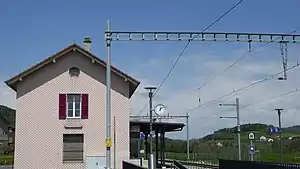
[{"x": 72, "y": 56}]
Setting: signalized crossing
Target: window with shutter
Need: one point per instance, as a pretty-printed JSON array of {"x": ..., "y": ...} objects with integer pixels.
[
  {"x": 85, "y": 106},
  {"x": 62, "y": 106},
  {"x": 73, "y": 147},
  {"x": 73, "y": 106}
]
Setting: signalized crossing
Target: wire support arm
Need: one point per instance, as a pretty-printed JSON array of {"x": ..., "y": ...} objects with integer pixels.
[{"x": 204, "y": 36}]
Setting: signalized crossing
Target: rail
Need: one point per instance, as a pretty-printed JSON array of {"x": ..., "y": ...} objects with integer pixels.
[
  {"x": 179, "y": 165},
  {"x": 187, "y": 163}
]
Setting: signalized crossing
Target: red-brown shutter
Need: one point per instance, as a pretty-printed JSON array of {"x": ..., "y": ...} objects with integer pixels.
[
  {"x": 84, "y": 106},
  {"x": 62, "y": 106}
]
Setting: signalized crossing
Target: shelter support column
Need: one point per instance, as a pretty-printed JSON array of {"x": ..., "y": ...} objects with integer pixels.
[
  {"x": 146, "y": 145},
  {"x": 156, "y": 146},
  {"x": 161, "y": 147},
  {"x": 163, "y": 150}
]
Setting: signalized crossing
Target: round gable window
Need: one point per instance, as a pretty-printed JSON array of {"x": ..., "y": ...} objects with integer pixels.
[{"x": 74, "y": 71}]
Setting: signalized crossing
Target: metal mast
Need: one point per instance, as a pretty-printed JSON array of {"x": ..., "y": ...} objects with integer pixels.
[
  {"x": 237, "y": 117},
  {"x": 108, "y": 99},
  {"x": 280, "y": 133}
]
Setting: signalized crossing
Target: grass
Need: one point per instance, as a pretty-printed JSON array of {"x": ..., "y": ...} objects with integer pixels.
[
  {"x": 207, "y": 149},
  {"x": 6, "y": 160},
  {"x": 287, "y": 158},
  {"x": 267, "y": 153}
]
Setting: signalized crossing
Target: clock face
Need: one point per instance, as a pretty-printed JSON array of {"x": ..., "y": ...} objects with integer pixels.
[{"x": 160, "y": 109}]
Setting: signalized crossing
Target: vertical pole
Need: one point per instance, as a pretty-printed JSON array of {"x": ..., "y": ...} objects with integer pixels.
[
  {"x": 151, "y": 160},
  {"x": 251, "y": 155},
  {"x": 280, "y": 134},
  {"x": 146, "y": 145},
  {"x": 156, "y": 146},
  {"x": 150, "y": 127},
  {"x": 115, "y": 145},
  {"x": 139, "y": 152},
  {"x": 161, "y": 146},
  {"x": 164, "y": 147},
  {"x": 238, "y": 126},
  {"x": 187, "y": 137},
  {"x": 108, "y": 103}
]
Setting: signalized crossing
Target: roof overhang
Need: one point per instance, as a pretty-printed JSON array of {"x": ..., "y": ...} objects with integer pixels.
[
  {"x": 12, "y": 82},
  {"x": 160, "y": 126}
]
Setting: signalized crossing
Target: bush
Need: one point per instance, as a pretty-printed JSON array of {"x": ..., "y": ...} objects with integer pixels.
[{"x": 8, "y": 150}]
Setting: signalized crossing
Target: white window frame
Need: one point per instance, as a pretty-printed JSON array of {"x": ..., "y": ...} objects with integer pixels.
[{"x": 80, "y": 103}]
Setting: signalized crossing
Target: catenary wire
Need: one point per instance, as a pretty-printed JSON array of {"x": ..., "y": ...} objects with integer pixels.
[
  {"x": 261, "y": 101},
  {"x": 251, "y": 85},
  {"x": 272, "y": 98},
  {"x": 236, "y": 61},
  {"x": 243, "y": 88},
  {"x": 185, "y": 47}
]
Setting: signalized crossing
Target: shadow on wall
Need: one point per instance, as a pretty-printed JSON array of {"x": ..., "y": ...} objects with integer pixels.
[{"x": 63, "y": 64}]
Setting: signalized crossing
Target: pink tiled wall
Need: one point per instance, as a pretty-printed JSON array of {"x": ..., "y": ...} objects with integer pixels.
[{"x": 39, "y": 132}]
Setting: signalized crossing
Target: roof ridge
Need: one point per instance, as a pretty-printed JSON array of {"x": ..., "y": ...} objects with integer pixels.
[{"x": 74, "y": 46}]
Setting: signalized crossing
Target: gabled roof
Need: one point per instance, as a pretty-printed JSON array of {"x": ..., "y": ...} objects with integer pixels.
[{"x": 12, "y": 82}]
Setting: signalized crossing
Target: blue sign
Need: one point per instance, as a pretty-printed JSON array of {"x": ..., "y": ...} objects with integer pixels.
[
  {"x": 274, "y": 130},
  {"x": 142, "y": 136},
  {"x": 251, "y": 150}
]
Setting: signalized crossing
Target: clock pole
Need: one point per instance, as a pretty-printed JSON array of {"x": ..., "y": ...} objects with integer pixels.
[
  {"x": 151, "y": 160},
  {"x": 187, "y": 137}
]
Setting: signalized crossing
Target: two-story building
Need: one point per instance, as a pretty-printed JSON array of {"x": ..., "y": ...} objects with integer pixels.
[
  {"x": 60, "y": 111},
  {"x": 6, "y": 136}
]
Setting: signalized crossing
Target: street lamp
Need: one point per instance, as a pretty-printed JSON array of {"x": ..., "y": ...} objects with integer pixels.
[
  {"x": 237, "y": 117},
  {"x": 151, "y": 90}
]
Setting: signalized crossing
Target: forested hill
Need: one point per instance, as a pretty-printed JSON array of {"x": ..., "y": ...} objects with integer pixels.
[
  {"x": 7, "y": 114},
  {"x": 246, "y": 128},
  {"x": 222, "y": 133}
]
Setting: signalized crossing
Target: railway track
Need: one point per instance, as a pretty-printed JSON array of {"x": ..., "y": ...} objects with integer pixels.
[{"x": 193, "y": 165}]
